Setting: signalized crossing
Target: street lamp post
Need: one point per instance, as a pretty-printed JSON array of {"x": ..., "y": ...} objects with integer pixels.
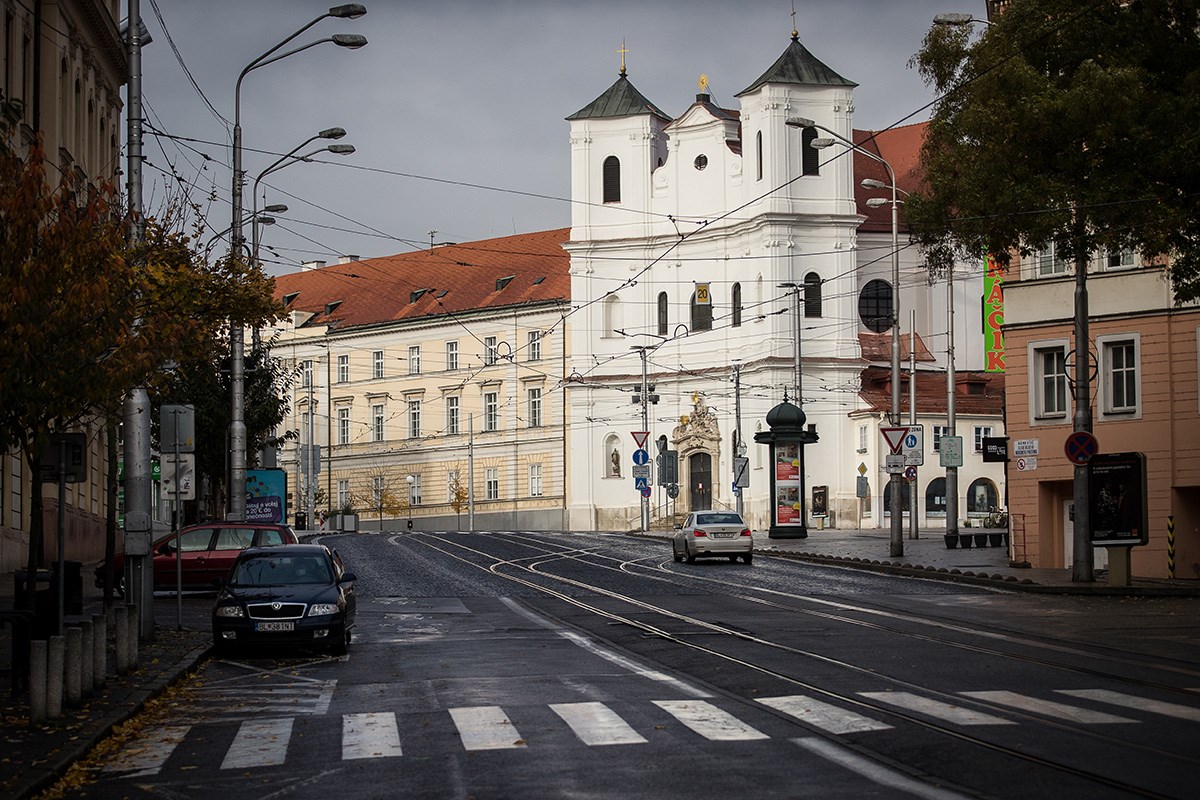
[
  {"x": 411, "y": 480},
  {"x": 897, "y": 532},
  {"x": 237, "y": 333}
]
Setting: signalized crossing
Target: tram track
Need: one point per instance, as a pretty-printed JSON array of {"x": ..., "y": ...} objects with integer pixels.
[{"x": 531, "y": 570}]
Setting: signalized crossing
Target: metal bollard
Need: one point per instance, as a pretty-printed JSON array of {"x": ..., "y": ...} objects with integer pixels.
[
  {"x": 86, "y": 662},
  {"x": 55, "y": 651},
  {"x": 37, "y": 680},
  {"x": 100, "y": 650},
  {"x": 135, "y": 628},
  {"x": 121, "y": 613},
  {"x": 73, "y": 667}
]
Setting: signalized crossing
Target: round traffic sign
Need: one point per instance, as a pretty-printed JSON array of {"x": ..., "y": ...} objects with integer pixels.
[
  {"x": 673, "y": 491},
  {"x": 645, "y": 491},
  {"x": 1080, "y": 447},
  {"x": 641, "y": 457},
  {"x": 910, "y": 473}
]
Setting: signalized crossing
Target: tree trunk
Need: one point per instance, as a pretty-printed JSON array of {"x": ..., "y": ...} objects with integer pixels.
[
  {"x": 34, "y": 561},
  {"x": 110, "y": 521}
]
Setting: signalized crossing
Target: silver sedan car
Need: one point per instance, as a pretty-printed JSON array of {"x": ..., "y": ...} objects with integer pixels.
[{"x": 712, "y": 533}]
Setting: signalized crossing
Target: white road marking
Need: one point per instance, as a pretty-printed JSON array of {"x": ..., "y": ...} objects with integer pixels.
[
  {"x": 935, "y": 708},
  {"x": 1048, "y": 708},
  {"x": 372, "y": 735},
  {"x": 709, "y": 721},
  {"x": 874, "y": 771},
  {"x": 597, "y": 724},
  {"x": 1137, "y": 703},
  {"x": 608, "y": 655},
  {"x": 259, "y": 743},
  {"x": 147, "y": 754},
  {"x": 485, "y": 728},
  {"x": 823, "y": 715}
]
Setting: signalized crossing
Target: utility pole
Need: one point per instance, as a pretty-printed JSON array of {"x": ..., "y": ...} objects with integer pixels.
[
  {"x": 1081, "y": 558},
  {"x": 951, "y": 472},
  {"x": 310, "y": 482},
  {"x": 645, "y": 398},
  {"x": 738, "y": 447},
  {"x": 471, "y": 472},
  {"x": 138, "y": 529},
  {"x": 911, "y": 486}
]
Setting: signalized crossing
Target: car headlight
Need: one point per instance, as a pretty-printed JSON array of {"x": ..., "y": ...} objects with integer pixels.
[
  {"x": 321, "y": 609},
  {"x": 230, "y": 611}
]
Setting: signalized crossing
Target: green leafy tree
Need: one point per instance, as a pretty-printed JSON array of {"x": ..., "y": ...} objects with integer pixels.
[
  {"x": 459, "y": 496},
  {"x": 1068, "y": 122}
]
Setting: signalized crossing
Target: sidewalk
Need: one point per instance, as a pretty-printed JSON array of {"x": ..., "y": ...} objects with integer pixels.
[{"x": 34, "y": 756}]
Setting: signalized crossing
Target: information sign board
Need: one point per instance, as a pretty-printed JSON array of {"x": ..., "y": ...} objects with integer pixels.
[{"x": 950, "y": 451}]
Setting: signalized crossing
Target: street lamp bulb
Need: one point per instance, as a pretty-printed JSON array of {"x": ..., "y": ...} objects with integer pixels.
[
  {"x": 275, "y": 208},
  {"x": 410, "y": 479},
  {"x": 822, "y": 143},
  {"x": 263, "y": 220},
  {"x": 953, "y": 18},
  {"x": 348, "y": 11},
  {"x": 876, "y": 202},
  {"x": 341, "y": 149},
  {"x": 871, "y": 183},
  {"x": 800, "y": 122},
  {"x": 353, "y": 41},
  {"x": 332, "y": 133}
]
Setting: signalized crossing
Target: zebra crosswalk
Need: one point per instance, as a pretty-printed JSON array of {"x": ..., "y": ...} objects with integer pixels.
[{"x": 265, "y": 742}]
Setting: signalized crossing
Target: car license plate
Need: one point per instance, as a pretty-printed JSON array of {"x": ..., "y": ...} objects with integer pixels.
[
  {"x": 264, "y": 627},
  {"x": 723, "y": 535}
]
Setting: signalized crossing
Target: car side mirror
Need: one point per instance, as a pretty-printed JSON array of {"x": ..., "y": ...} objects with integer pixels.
[
  {"x": 678, "y": 527},
  {"x": 348, "y": 577},
  {"x": 166, "y": 549}
]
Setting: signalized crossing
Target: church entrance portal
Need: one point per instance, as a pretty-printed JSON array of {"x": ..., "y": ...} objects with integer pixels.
[{"x": 700, "y": 481}]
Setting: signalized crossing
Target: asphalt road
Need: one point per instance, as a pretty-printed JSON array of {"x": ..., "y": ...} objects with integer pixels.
[{"x": 530, "y": 665}]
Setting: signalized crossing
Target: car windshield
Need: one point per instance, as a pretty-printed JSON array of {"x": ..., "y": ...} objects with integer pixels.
[
  {"x": 718, "y": 519},
  {"x": 281, "y": 571}
]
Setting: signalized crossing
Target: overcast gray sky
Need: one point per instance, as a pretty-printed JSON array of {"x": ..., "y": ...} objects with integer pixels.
[{"x": 452, "y": 96}]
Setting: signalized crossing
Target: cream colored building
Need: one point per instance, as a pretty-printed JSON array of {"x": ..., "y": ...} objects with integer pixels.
[
  {"x": 63, "y": 73},
  {"x": 443, "y": 365}
]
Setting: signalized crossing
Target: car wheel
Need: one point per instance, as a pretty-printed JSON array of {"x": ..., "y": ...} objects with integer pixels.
[
  {"x": 733, "y": 559},
  {"x": 691, "y": 558},
  {"x": 748, "y": 558},
  {"x": 339, "y": 645},
  {"x": 675, "y": 554}
]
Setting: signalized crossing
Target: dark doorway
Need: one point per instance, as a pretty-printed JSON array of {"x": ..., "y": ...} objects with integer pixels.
[{"x": 700, "y": 480}]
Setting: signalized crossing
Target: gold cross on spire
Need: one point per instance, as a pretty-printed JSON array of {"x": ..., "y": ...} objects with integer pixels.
[
  {"x": 703, "y": 83},
  {"x": 795, "y": 33},
  {"x": 623, "y": 51}
]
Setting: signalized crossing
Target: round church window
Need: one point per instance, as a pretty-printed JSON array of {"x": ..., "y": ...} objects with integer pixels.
[
  {"x": 701, "y": 162},
  {"x": 875, "y": 306}
]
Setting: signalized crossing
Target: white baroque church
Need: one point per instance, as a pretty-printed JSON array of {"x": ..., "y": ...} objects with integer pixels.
[{"x": 768, "y": 222}]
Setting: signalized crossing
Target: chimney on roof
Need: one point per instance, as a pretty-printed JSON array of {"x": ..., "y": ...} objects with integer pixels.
[
  {"x": 347, "y": 259},
  {"x": 703, "y": 98},
  {"x": 307, "y": 265}
]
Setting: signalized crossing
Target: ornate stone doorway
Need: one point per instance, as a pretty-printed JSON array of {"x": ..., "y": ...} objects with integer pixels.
[{"x": 700, "y": 481}]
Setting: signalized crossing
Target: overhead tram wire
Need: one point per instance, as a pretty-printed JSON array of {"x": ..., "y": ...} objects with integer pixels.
[{"x": 162, "y": 23}]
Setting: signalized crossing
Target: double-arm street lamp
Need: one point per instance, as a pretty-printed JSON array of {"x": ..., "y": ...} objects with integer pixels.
[
  {"x": 897, "y": 532},
  {"x": 237, "y": 425}
]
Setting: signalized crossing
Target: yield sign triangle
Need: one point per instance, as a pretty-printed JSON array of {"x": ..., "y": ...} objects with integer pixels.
[
  {"x": 894, "y": 437},
  {"x": 640, "y": 437}
]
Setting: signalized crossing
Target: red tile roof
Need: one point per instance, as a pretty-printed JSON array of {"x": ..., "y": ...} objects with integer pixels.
[
  {"x": 488, "y": 274},
  {"x": 878, "y": 347},
  {"x": 977, "y": 392}
]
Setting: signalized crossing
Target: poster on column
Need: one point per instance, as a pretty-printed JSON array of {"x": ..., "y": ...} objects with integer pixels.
[
  {"x": 787, "y": 505},
  {"x": 787, "y": 462}
]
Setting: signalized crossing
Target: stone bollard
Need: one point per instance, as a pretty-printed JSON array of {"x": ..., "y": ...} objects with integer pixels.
[
  {"x": 73, "y": 666},
  {"x": 55, "y": 651},
  {"x": 87, "y": 661},
  {"x": 135, "y": 634},
  {"x": 121, "y": 613},
  {"x": 100, "y": 650},
  {"x": 37, "y": 680}
]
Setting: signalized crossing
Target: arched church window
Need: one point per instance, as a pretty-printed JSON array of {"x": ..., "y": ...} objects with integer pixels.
[
  {"x": 612, "y": 456},
  {"x": 612, "y": 316},
  {"x": 662, "y": 313},
  {"x": 810, "y": 157},
  {"x": 701, "y": 315},
  {"x": 875, "y": 306},
  {"x": 905, "y": 492},
  {"x": 812, "y": 295},
  {"x": 935, "y": 497},
  {"x": 758, "y": 154},
  {"x": 612, "y": 180},
  {"x": 737, "y": 305}
]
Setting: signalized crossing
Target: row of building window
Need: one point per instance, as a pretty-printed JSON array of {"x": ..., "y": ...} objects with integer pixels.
[
  {"x": 981, "y": 432},
  {"x": 1047, "y": 262},
  {"x": 491, "y": 355},
  {"x": 454, "y": 486},
  {"x": 1119, "y": 384}
]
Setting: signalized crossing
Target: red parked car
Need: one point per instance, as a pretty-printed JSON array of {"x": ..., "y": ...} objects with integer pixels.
[{"x": 206, "y": 552}]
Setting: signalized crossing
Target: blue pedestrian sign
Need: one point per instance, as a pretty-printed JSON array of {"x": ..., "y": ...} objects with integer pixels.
[
  {"x": 641, "y": 484},
  {"x": 641, "y": 457}
]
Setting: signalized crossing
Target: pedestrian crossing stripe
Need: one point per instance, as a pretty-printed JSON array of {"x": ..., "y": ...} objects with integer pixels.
[{"x": 265, "y": 742}]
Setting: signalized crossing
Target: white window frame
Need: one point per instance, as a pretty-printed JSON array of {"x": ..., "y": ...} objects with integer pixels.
[
  {"x": 343, "y": 493},
  {"x": 1126, "y": 258},
  {"x": 534, "y": 399},
  {"x": 1048, "y": 258},
  {"x": 937, "y": 432},
  {"x": 306, "y": 373},
  {"x": 453, "y": 403},
  {"x": 343, "y": 425},
  {"x": 491, "y": 411},
  {"x": 489, "y": 350},
  {"x": 377, "y": 364},
  {"x": 1039, "y": 411},
  {"x": 1105, "y": 347},
  {"x": 862, "y": 438},
  {"x": 414, "y": 489},
  {"x": 981, "y": 432},
  {"x": 343, "y": 372},
  {"x": 452, "y": 355},
  {"x": 535, "y": 480},
  {"x": 377, "y": 422},
  {"x": 414, "y": 419},
  {"x": 533, "y": 351},
  {"x": 491, "y": 482},
  {"x": 414, "y": 359}
]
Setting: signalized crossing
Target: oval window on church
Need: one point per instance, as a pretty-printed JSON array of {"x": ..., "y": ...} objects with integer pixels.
[
  {"x": 875, "y": 306},
  {"x": 701, "y": 161}
]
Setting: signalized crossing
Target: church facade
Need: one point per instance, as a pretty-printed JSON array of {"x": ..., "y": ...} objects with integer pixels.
[{"x": 714, "y": 252}]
